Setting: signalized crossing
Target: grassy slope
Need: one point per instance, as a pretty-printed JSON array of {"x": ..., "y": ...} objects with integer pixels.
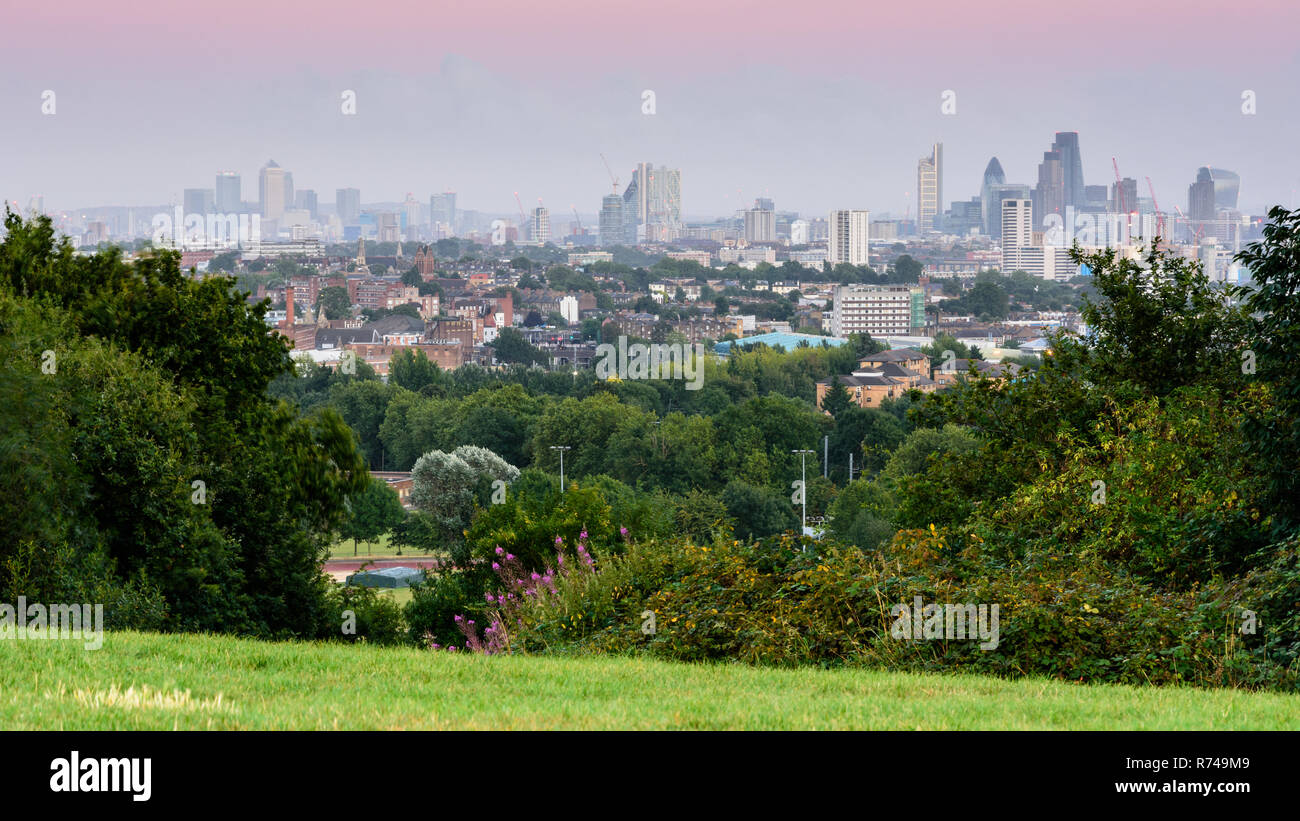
[{"x": 236, "y": 683}]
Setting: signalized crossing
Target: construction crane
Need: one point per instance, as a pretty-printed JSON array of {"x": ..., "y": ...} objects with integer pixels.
[
  {"x": 522, "y": 219},
  {"x": 1160, "y": 217},
  {"x": 1196, "y": 235},
  {"x": 1119, "y": 188},
  {"x": 574, "y": 209},
  {"x": 613, "y": 179}
]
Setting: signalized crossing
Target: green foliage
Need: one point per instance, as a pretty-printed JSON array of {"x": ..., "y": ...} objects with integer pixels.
[
  {"x": 187, "y": 498},
  {"x": 334, "y": 302},
  {"x": 373, "y": 512}
]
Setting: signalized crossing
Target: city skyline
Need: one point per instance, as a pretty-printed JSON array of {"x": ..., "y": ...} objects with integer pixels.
[{"x": 483, "y": 105}]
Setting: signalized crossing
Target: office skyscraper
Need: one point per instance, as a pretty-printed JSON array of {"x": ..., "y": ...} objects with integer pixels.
[
  {"x": 1049, "y": 194},
  {"x": 1226, "y": 186},
  {"x": 1067, "y": 145},
  {"x": 273, "y": 190},
  {"x": 991, "y": 211},
  {"x": 229, "y": 193},
  {"x": 1200, "y": 197},
  {"x": 848, "y": 240},
  {"x": 199, "y": 201},
  {"x": 305, "y": 200},
  {"x": 929, "y": 189},
  {"x": 442, "y": 212},
  {"x": 347, "y": 203},
  {"x": 611, "y": 221}
]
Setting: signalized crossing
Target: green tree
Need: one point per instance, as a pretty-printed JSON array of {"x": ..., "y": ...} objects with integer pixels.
[
  {"x": 334, "y": 301},
  {"x": 836, "y": 399},
  {"x": 372, "y": 513}
]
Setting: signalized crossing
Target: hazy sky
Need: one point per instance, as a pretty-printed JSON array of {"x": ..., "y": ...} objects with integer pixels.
[{"x": 817, "y": 104}]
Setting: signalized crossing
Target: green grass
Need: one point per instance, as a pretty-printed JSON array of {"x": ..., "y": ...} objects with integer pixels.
[
  {"x": 343, "y": 548},
  {"x": 216, "y": 682}
]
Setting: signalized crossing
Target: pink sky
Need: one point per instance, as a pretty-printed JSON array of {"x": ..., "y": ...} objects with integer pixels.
[{"x": 672, "y": 35}]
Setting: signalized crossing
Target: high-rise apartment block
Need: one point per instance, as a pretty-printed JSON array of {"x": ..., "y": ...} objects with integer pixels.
[
  {"x": 848, "y": 238},
  {"x": 929, "y": 190},
  {"x": 760, "y": 225},
  {"x": 878, "y": 310}
]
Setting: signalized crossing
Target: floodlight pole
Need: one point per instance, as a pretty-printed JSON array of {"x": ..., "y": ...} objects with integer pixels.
[
  {"x": 561, "y": 449},
  {"x": 803, "y": 485}
]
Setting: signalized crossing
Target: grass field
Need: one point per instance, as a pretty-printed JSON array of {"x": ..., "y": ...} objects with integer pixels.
[
  {"x": 149, "y": 681},
  {"x": 343, "y": 548}
]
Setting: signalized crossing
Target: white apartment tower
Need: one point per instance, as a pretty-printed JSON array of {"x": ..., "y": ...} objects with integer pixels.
[
  {"x": 848, "y": 237},
  {"x": 929, "y": 189},
  {"x": 877, "y": 310},
  {"x": 1017, "y": 223}
]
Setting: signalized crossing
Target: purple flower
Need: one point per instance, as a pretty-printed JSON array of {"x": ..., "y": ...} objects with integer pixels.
[
  {"x": 510, "y": 557},
  {"x": 582, "y": 535},
  {"x": 452, "y": 648},
  {"x": 499, "y": 550},
  {"x": 471, "y": 621},
  {"x": 488, "y": 596},
  {"x": 622, "y": 531},
  {"x": 558, "y": 540},
  {"x": 496, "y": 566},
  {"x": 458, "y": 618}
]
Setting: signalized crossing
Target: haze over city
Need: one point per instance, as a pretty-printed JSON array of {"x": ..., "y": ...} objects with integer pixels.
[{"x": 814, "y": 107}]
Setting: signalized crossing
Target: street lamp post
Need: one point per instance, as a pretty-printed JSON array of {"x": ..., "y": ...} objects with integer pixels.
[
  {"x": 803, "y": 485},
  {"x": 561, "y": 449}
]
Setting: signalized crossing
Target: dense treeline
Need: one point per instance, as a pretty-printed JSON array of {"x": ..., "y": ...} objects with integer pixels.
[{"x": 142, "y": 464}]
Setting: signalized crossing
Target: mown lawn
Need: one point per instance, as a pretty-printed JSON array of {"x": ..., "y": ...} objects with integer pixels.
[
  {"x": 383, "y": 547},
  {"x": 149, "y": 681}
]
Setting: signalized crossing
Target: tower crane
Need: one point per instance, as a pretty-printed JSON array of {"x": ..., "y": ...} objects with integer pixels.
[
  {"x": 1160, "y": 217},
  {"x": 613, "y": 179}
]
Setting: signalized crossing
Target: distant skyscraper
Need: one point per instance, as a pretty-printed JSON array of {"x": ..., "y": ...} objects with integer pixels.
[
  {"x": 652, "y": 204},
  {"x": 760, "y": 225},
  {"x": 1017, "y": 223},
  {"x": 1200, "y": 197},
  {"x": 929, "y": 189},
  {"x": 442, "y": 212},
  {"x": 347, "y": 203},
  {"x": 1226, "y": 186},
  {"x": 991, "y": 211},
  {"x": 1067, "y": 144},
  {"x": 764, "y": 204},
  {"x": 1049, "y": 194},
  {"x": 229, "y": 193},
  {"x": 800, "y": 231},
  {"x": 305, "y": 200},
  {"x": 611, "y": 221},
  {"x": 1124, "y": 196},
  {"x": 998, "y": 194},
  {"x": 199, "y": 201},
  {"x": 273, "y": 190},
  {"x": 849, "y": 239},
  {"x": 540, "y": 228}
]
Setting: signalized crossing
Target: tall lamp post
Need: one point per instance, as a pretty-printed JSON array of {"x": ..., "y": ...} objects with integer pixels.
[
  {"x": 561, "y": 449},
  {"x": 803, "y": 486}
]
